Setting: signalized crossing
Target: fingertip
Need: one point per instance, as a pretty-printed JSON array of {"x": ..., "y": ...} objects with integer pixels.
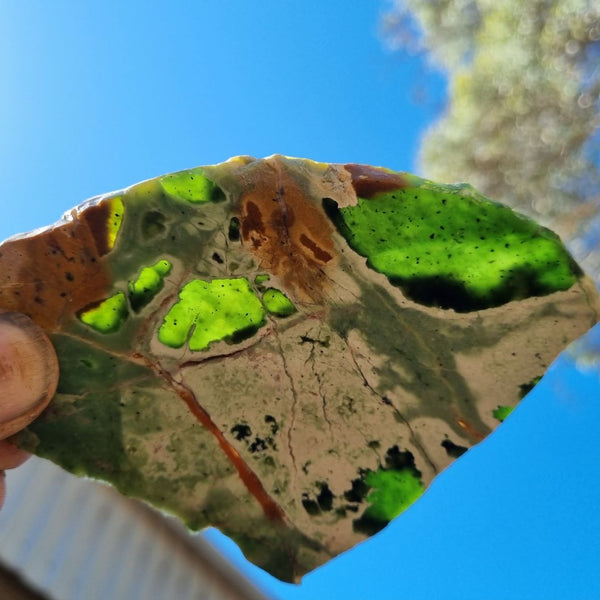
[
  {"x": 28, "y": 372},
  {"x": 11, "y": 456}
]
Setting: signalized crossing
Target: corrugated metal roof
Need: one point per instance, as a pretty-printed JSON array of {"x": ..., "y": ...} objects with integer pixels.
[{"x": 72, "y": 538}]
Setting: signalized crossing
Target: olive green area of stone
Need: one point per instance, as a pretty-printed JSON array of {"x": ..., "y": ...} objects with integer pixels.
[
  {"x": 192, "y": 186},
  {"x": 277, "y": 303},
  {"x": 108, "y": 315},
  {"x": 453, "y": 250},
  {"x": 210, "y": 311},
  {"x": 148, "y": 283},
  {"x": 415, "y": 345},
  {"x": 115, "y": 420}
]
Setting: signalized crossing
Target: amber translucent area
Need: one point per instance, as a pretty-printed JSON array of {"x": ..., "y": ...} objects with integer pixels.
[
  {"x": 287, "y": 233},
  {"x": 115, "y": 218},
  {"x": 209, "y": 311}
]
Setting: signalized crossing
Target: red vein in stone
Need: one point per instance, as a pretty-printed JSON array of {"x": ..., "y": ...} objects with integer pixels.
[
  {"x": 470, "y": 429},
  {"x": 271, "y": 509}
]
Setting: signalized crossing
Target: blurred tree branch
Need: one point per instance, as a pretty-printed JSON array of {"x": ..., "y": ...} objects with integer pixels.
[{"x": 523, "y": 117}]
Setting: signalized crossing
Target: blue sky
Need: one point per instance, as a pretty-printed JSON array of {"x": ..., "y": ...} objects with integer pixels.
[{"x": 97, "y": 97}]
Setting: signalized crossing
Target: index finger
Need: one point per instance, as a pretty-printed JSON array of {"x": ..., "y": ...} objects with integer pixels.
[{"x": 28, "y": 372}]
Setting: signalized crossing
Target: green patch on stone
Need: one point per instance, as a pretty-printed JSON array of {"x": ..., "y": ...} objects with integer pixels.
[
  {"x": 106, "y": 316},
  {"x": 148, "y": 283},
  {"x": 262, "y": 278},
  {"x": 277, "y": 303},
  {"x": 192, "y": 186},
  {"x": 392, "y": 493},
  {"x": 502, "y": 412},
  {"x": 210, "y": 311},
  {"x": 391, "y": 490},
  {"x": 453, "y": 249}
]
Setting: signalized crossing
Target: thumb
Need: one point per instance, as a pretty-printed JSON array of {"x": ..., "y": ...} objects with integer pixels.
[{"x": 28, "y": 372}]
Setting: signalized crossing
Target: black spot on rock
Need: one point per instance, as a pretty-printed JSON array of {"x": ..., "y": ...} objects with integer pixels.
[
  {"x": 525, "y": 388},
  {"x": 273, "y": 424},
  {"x": 400, "y": 459},
  {"x": 368, "y": 525},
  {"x": 241, "y": 431},
  {"x": 325, "y": 497},
  {"x": 257, "y": 445},
  {"x": 357, "y": 492},
  {"x": 453, "y": 449},
  {"x": 234, "y": 230},
  {"x": 310, "y": 505}
]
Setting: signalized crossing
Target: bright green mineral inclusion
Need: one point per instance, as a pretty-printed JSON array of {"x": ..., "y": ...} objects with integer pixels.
[
  {"x": 107, "y": 316},
  {"x": 260, "y": 279},
  {"x": 450, "y": 249},
  {"x": 502, "y": 412},
  {"x": 277, "y": 303},
  {"x": 148, "y": 284},
  {"x": 192, "y": 186},
  {"x": 115, "y": 219},
  {"x": 221, "y": 309},
  {"x": 393, "y": 492}
]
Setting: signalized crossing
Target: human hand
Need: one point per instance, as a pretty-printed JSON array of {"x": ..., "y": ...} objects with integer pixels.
[{"x": 28, "y": 380}]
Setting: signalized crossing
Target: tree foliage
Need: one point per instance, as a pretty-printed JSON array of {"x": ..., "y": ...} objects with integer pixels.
[{"x": 523, "y": 118}]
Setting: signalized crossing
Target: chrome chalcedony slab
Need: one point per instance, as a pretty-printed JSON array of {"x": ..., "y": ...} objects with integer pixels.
[{"x": 288, "y": 350}]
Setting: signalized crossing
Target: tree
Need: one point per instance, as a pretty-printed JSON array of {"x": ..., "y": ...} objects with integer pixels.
[{"x": 523, "y": 116}]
